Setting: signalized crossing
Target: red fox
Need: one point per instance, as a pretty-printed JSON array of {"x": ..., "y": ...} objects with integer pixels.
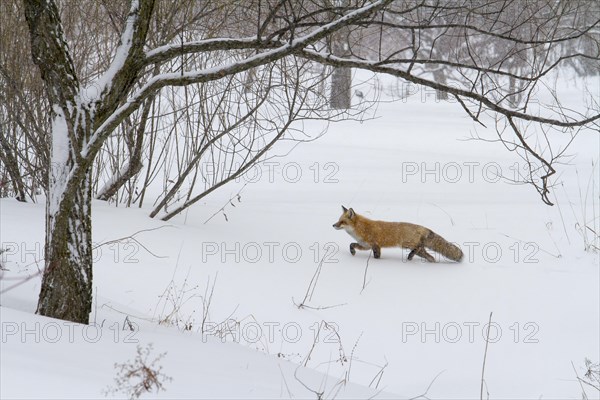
[{"x": 377, "y": 234}]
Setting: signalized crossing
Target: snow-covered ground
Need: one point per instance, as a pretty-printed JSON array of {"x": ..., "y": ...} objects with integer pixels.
[{"x": 404, "y": 328}]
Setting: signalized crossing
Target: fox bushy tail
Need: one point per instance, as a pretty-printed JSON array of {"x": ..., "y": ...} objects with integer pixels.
[{"x": 440, "y": 245}]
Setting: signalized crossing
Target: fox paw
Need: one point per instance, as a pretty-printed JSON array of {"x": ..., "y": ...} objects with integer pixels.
[{"x": 352, "y": 251}]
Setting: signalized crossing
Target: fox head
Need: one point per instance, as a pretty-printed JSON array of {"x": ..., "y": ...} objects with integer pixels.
[{"x": 346, "y": 218}]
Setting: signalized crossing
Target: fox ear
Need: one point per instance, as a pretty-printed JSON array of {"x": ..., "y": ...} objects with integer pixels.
[
  {"x": 351, "y": 214},
  {"x": 344, "y": 209}
]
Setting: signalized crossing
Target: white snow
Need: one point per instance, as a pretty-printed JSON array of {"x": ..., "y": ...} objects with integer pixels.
[
  {"x": 95, "y": 89},
  {"x": 58, "y": 173},
  {"x": 60, "y": 137},
  {"x": 524, "y": 261},
  {"x": 197, "y": 43}
]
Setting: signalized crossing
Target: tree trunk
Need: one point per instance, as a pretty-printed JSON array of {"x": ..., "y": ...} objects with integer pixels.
[
  {"x": 514, "y": 98},
  {"x": 12, "y": 168},
  {"x": 341, "y": 85},
  {"x": 440, "y": 77},
  {"x": 341, "y": 78},
  {"x": 66, "y": 291}
]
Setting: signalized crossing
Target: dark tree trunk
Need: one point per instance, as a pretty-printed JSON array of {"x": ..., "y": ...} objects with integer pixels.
[
  {"x": 341, "y": 78},
  {"x": 515, "y": 95},
  {"x": 12, "y": 168},
  {"x": 66, "y": 291},
  {"x": 440, "y": 77},
  {"x": 341, "y": 88}
]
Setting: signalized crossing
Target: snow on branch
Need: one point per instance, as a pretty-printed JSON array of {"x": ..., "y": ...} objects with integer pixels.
[
  {"x": 170, "y": 51},
  {"x": 167, "y": 52},
  {"x": 105, "y": 81}
]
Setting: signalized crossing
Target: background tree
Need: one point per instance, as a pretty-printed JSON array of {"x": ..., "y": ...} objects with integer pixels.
[
  {"x": 341, "y": 77},
  {"x": 23, "y": 125}
]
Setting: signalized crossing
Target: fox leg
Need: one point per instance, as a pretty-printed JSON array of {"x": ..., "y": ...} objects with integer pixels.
[
  {"x": 354, "y": 246},
  {"x": 412, "y": 254},
  {"x": 421, "y": 252},
  {"x": 416, "y": 251},
  {"x": 376, "y": 251}
]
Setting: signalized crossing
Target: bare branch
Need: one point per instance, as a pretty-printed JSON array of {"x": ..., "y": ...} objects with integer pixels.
[{"x": 329, "y": 59}]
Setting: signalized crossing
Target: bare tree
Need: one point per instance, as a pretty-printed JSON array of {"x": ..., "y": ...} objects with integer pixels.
[{"x": 83, "y": 119}]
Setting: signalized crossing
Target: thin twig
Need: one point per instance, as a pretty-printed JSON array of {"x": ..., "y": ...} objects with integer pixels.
[
  {"x": 352, "y": 356},
  {"x": 229, "y": 202},
  {"x": 365, "y": 274},
  {"x": 583, "y": 393},
  {"x": 131, "y": 237},
  {"x": 487, "y": 340},
  {"x": 424, "y": 395},
  {"x": 291, "y": 396},
  {"x": 311, "y": 289},
  {"x": 318, "y": 394},
  {"x": 379, "y": 375}
]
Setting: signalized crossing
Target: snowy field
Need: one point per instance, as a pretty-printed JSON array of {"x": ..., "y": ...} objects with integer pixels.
[{"x": 221, "y": 298}]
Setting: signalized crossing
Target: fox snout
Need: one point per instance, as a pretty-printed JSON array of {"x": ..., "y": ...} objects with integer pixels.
[{"x": 337, "y": 225}]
